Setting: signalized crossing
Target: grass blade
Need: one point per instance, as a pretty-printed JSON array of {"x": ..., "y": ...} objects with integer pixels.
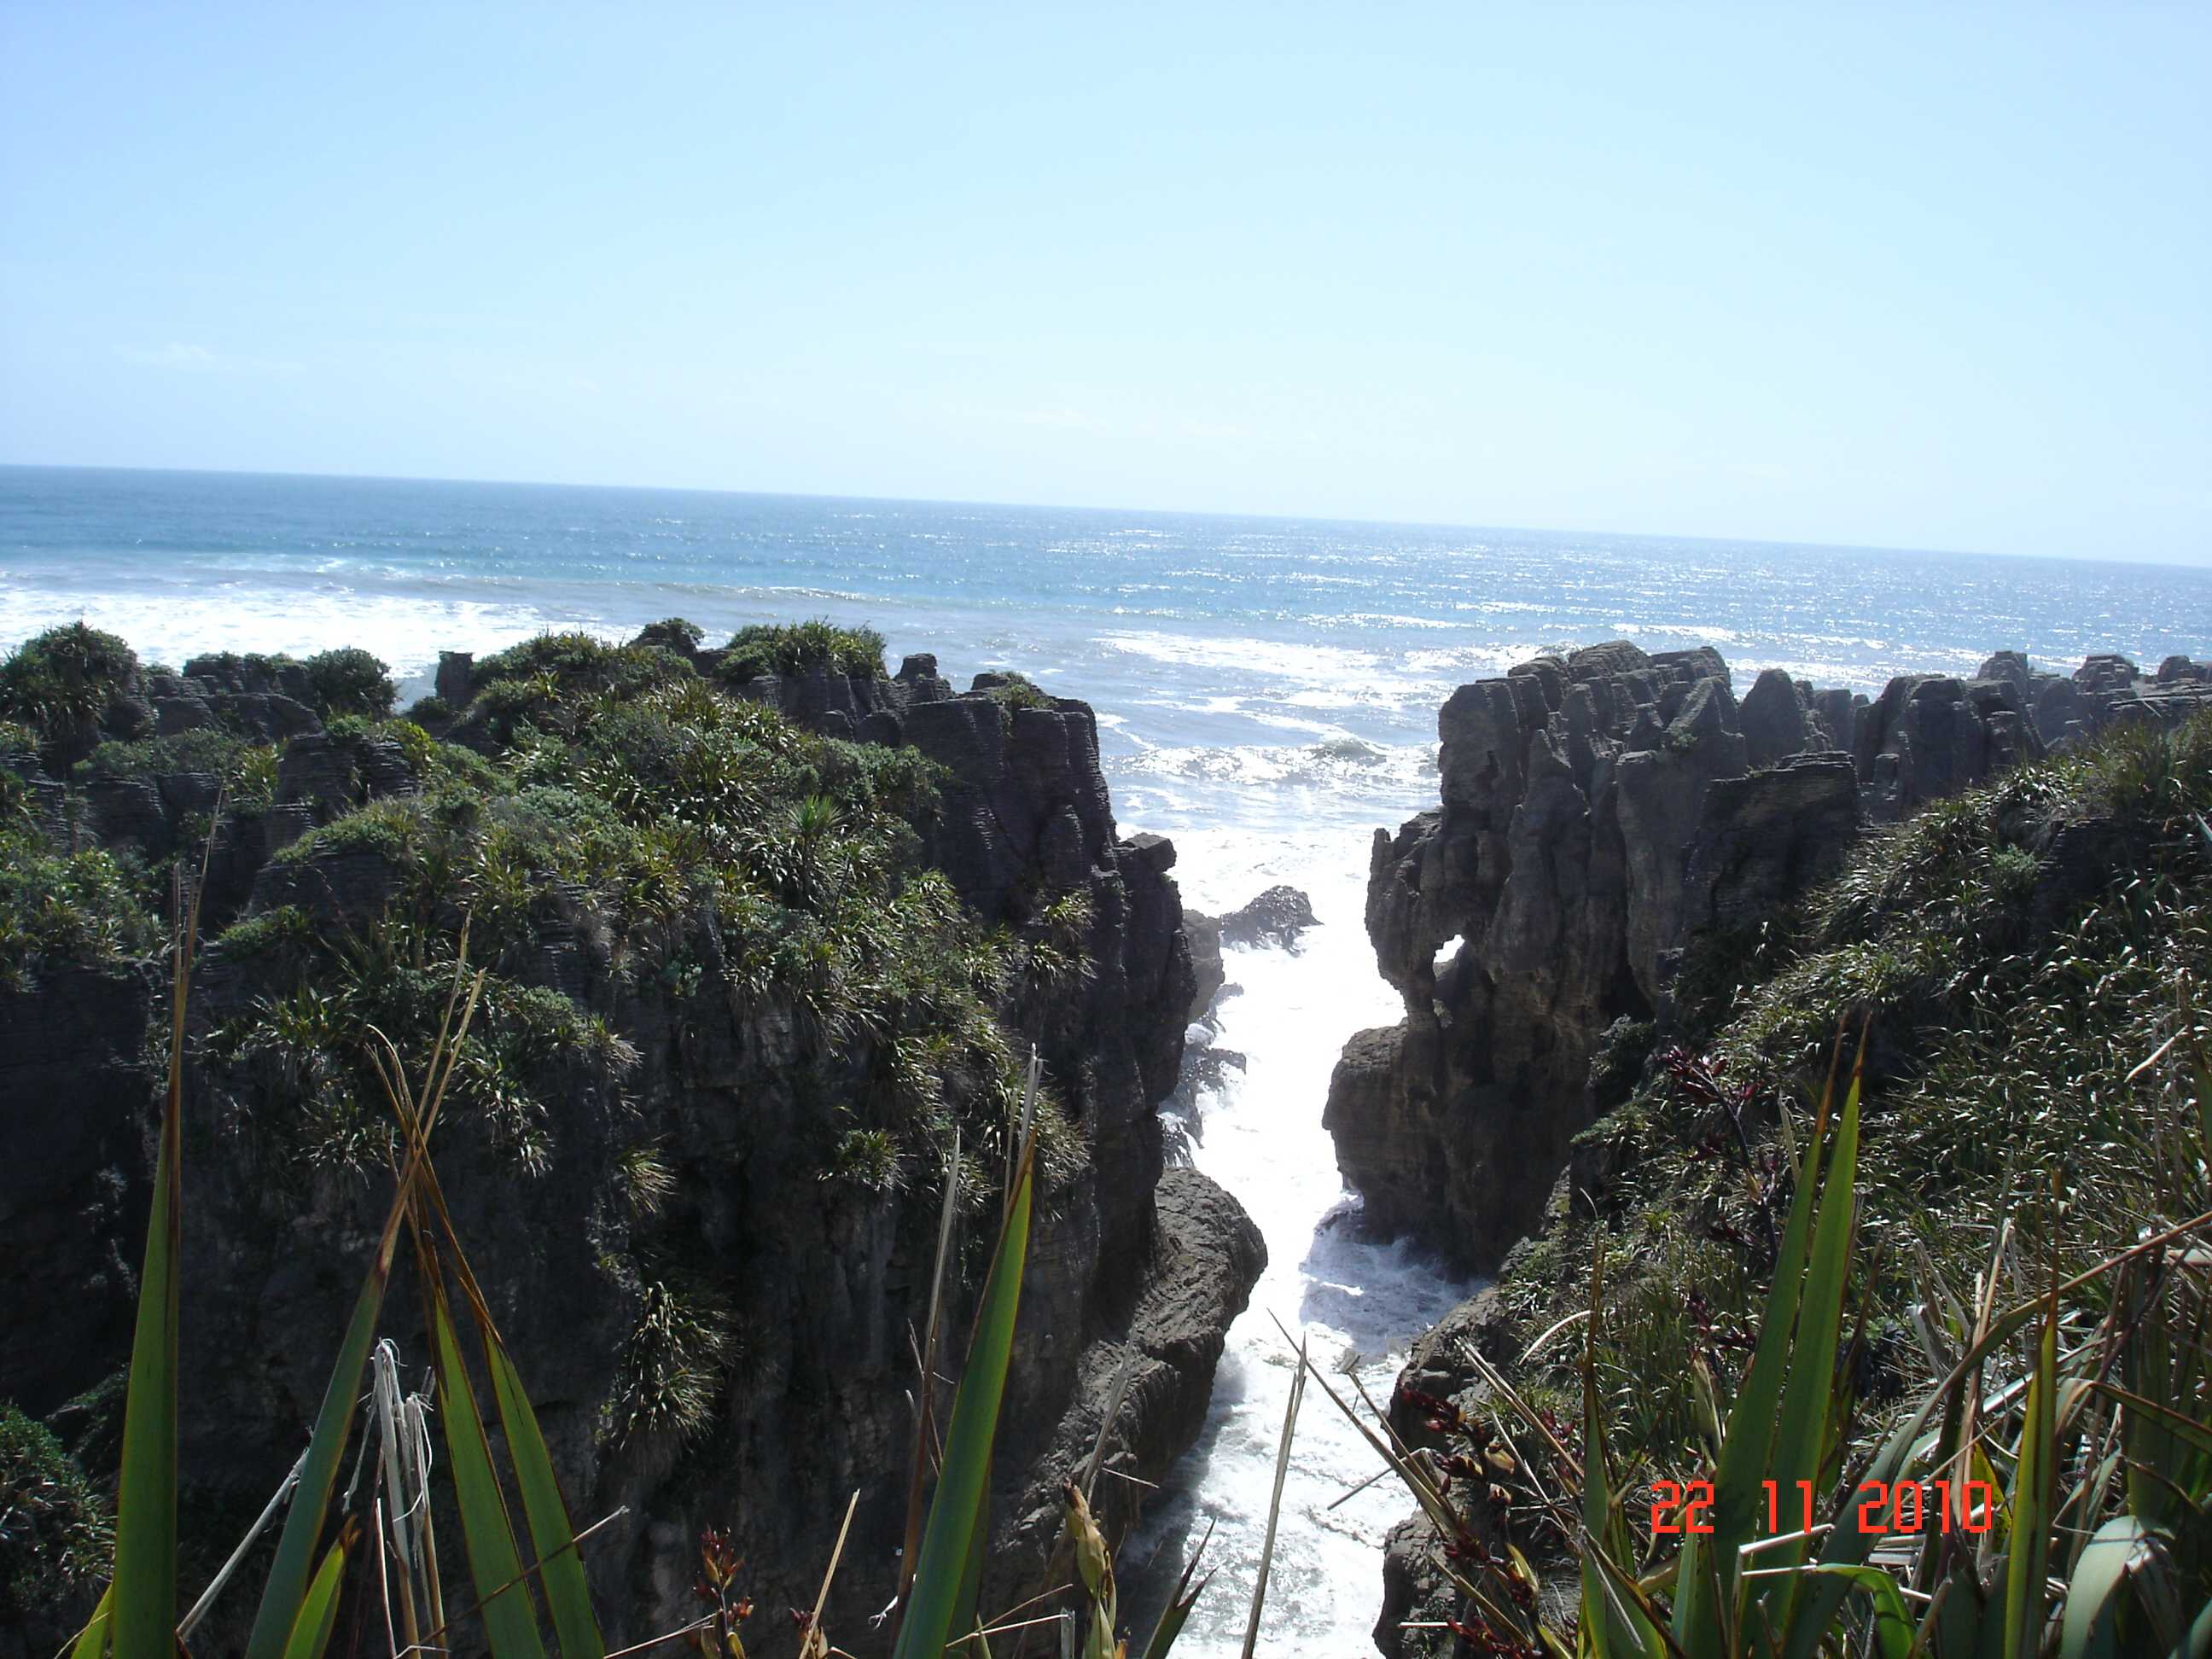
[
  {"x": 954, "y": 1511},
  {"x": 552, "y": 1533},
  {"x": 1892, "y": 1621},
  {"x": 1176, "y": 1613},
  {"x": 1801, "y": 1434},
  {"x": 144, "y": 1606},
  {"x": 1739, "y": 1480},
  {"x": 287, "y": 1584},
  {"x": 1275, "y": 1504},
  {"x": 2087, "y": 1631},
  {"x": 2033, "y": 1498},
  {"x": 92, "y": 1641},
  {"x": 319, "y": 1611},
  {"x": 925, "y": 1394},
  {"x": 495, "y": 1565}
]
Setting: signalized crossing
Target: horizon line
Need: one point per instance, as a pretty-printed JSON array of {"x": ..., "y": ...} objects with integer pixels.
[{"x": 2182, "y": 562}]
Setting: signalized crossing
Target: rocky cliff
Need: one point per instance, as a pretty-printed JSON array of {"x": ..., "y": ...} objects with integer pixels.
[
  {"x": 731, "y": 1027},
  {"x": 1599, "y": 812},
  {"x": 2013, "y": 952}
]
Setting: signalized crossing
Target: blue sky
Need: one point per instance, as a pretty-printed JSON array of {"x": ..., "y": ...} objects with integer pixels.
[{"x": 1924, "y": 277}]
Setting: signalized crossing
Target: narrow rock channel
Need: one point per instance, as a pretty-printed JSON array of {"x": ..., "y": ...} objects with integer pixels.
[{"x": 1358, "y": 1304}]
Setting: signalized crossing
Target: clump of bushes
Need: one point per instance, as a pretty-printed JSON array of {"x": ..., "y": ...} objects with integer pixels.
[
  {"x": 246, "y": 769},
  {"x": 82, "y": 909},
  {"x": 792, "y": 648},
  {"x": 546, "y": 682},
  {"x": 1018, "y": 690},
  {"x": 56, "y": 1532},
  {"x": 350, "y": 681},
  {"x": 70, "y": 686},
  {"x": 622, "y": 796},
  {"x": 65, "y": 677}
]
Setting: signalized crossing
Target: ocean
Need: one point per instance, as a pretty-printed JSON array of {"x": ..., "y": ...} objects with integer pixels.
[{"x": 1267, "y": 693}]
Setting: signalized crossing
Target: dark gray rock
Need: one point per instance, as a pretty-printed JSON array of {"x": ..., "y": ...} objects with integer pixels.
[
  {"x": 457, "y": 677},
  {"x": 77, "y": 1111},
  {"x": 1599, "y": 811},
  {"x": 1777, "y": 723},
  {"x": 919, "y": 680},
  {"x": 1417, "y": 1590},
  {"x": 1276, "y": 917},
  {"x": 1767, "y": 837},
  {"x": 1208, "y": 973},
  {"x": 1929, "y": 735},
  {"x": 333, "y": 777},
  {"x": 1518, "y": 921},
  {"x": 1837, "y": 712}
]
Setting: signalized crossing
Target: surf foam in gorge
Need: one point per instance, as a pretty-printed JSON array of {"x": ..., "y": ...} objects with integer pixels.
[{"x": 1359, "y": 1304}]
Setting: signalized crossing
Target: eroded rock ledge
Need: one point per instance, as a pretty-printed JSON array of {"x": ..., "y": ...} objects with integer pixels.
[{"x": 1600, "y": 810}]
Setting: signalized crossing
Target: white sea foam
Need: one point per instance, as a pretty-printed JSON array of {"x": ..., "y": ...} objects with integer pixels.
[
  {"x": 1358, "y": 1304},
  {"x": 1270, "y": 657}
]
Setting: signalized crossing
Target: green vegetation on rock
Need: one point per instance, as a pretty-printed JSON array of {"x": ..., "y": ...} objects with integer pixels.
[
  {"x": 2018, "y": 952},
  {"x": 56, "y": 1531},
  {"x": 791, "y": 648},
  {"x": 87, "y": 909}
]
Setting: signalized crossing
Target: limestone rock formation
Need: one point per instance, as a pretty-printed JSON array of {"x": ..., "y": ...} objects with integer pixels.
[
  {"x": 820, "y": 1282},
  {"x": 2104, "y": 689},
  {"x": 1600, "y": 811},
  {"x": 1517, "y": 923},
  {"x": 1766, "y": 837},
  {"x": 1928, "y": 736}
]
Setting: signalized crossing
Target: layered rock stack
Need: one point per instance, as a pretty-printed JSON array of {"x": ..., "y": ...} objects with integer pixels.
[{"x": 1599, "y": 811}]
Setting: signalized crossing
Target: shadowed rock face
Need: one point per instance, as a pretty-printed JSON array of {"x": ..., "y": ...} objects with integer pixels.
[
  {"x": 1930, "y": 736},
  {"x": 1519, "y": 921},
  {"x": 825, "y": 1281}
]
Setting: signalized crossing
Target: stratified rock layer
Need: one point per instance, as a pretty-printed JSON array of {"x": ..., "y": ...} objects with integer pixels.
[{"x": 1599, "y": 811}]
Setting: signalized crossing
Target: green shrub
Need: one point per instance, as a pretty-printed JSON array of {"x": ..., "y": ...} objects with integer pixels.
[
  {"x": 208, "y": 749},
  {"x": 56, "y": 1533},
  {"x": 82, "y": 909},
  {"x": 267, "y": 933},
  {"x": 575, "y": 664},
  {"x": 247, "y": 770},
  {"x": 673, "y": 1364},
  {"x": 423, "y": 710},
  {"x": 65, "y": 677},
  {"x": 388, "y": 826},
  {"x": 789, "y": 648},
  {"x": 350, "y": 681},
  {"x": 868, "y": 1159}
]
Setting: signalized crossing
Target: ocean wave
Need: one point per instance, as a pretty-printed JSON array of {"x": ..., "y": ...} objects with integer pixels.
[
  {"x": 1270, "y": 657},
  {"x": 1366, "y": 771}
]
